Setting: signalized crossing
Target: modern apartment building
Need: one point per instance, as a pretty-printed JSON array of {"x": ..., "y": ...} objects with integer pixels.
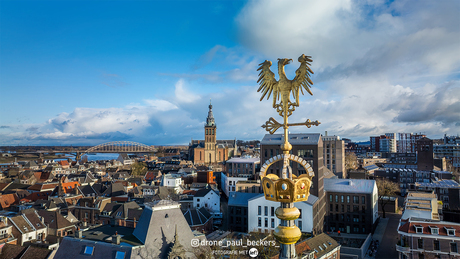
[
  {"x": 262, "y": 218},
  {"x": 351, "y": 205},
  {"x": 334, "y": 155}
]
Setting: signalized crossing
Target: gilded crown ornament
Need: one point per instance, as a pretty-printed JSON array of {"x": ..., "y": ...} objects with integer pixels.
[{"x": 286, "y": 188}]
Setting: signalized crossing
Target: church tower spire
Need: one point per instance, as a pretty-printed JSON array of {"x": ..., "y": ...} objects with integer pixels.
[
  {"x": 210, "y": 120},
  {"x": 210, "y": 131}
]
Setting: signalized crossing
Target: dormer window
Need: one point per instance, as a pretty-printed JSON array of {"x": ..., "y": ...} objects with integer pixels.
[
  {"x": 419, "y": 229},
  {"x": 434, "y": 230},
  {"x": 450, "y": 231}
]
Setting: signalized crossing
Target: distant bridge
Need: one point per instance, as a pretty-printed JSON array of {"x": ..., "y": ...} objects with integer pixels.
[
  {"x": 117, "y": 147},
  {"x": 120, "y": 147},
  {"x": 109, "y": 147}
]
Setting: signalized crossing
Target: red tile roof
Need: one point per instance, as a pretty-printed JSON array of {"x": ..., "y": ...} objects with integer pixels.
[
  {"x": 409, "y": 227},
  {"x": 6, "y": 200}
]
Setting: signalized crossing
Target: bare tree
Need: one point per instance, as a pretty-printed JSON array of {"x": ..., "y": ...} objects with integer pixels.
[
  {"x": 386, "y": 190},
  {"x": 138, "y": 169},
  {"x": 351, "y": 161}
]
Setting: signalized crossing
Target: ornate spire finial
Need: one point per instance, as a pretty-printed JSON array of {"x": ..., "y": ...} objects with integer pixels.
[{"x": 210, "y": 119}]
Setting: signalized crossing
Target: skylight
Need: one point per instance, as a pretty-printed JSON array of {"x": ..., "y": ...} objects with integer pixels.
[
  {"x": 89, "y": 250},
  {"x": 120, "y": 255}
]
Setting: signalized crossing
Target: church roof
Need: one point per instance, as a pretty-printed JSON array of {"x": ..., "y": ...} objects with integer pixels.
[{"x": 156, "y": 228}]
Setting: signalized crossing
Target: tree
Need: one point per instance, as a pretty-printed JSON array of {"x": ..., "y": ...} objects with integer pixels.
[
  {"x": 351, "y": 161},
  {"x": 138, "y": 169},
  {"x": 386, "y": 189}
]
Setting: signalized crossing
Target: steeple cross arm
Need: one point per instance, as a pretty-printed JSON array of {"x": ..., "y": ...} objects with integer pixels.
[{"x": 272, "y": 125}]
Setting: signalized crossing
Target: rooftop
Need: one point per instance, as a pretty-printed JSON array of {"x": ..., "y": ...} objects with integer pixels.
[
  {"x": 440, "y": 184},
  {"x": 349, "y": 185},
  {"x": 294, "y": 139}
]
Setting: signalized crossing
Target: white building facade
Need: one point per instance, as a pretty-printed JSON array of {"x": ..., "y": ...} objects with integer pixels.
[
  {"x": 262, "y": 218},
  {"x": 207, "y": 198},
  {"x": 228, "y": 183}
]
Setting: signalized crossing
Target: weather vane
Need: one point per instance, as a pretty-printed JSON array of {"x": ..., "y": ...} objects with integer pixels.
[{"x": 288, "y": 188}]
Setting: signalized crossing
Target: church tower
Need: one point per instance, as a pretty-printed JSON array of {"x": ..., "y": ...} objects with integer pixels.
[{"x": 210, "y": 131}]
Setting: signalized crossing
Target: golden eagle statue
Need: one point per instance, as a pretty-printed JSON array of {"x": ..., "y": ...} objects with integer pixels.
[{"x": 282, "y": 88}]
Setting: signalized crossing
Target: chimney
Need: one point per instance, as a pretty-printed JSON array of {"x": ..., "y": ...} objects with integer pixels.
[
  {"x": 325, "y": 133},
  {"x": 116, "y": 239},
  {"x": 79, "y": 234}
]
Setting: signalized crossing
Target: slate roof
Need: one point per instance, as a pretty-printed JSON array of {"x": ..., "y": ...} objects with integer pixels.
[
  {"x": 11, "y": 251},
  {"x": 114, "y": 189},
  {"x": 88, "y": 190},
  {"x": 240, "y": 198},
  {"x": 196, "y": 217},
  {"x": 156, "y": 229},
  {"x": 33, "y": 252},
  {"x": 54, "y": 219},
  {"x": 74, "y": 248},
  {"x": 123, "y": 208},
  {"x": 203, "y": 192}
]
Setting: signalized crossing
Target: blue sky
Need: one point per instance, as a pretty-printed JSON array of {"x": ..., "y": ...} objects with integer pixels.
[{"x": 89, "y": 72}]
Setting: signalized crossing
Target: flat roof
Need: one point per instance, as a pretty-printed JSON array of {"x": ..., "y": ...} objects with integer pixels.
[
  {"x": 440, "y": 184},
  {"x": 349, "y": 185},
  {"x": 294, "y": 139},
  {"x": 244, "y": 160}
]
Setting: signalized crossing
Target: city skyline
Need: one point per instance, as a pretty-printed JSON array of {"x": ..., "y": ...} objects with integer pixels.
[{"x": 89, "y": 72}]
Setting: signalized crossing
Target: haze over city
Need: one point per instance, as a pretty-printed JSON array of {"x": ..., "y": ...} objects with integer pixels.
[{"x": 88, "y": 72}]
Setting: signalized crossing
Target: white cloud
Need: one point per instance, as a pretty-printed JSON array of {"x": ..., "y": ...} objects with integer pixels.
[{"x": 183, "y": 95}]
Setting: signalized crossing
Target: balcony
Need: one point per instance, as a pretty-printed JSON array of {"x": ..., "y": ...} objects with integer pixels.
[{"x": 402, "y": 249}]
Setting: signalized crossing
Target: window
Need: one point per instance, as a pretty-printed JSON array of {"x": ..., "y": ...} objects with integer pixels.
[
  {"x": 434, "y": 230},
  {"x": 272, "y": 212},
  {"x": 453, "y": 247},
  {"x": 450, "y": 231},
  {"x": 266, "y": 210},
  {"x": 342, "y": 207},
  {"x": 259, "y": 212},
  {"x": 266, "y": 222},
  {"x": 363, "y": 199},
  {"x": 436, "y": 245},
  {"x": 355, "y": 199},
  {"x": 348, "y": 198},
  {"x": 330, "y": 198},
  {"x": 273, "y": 223},
  {"x": 420, "y": 244},
  {"x": 337, "y": 207},
  {"x": 418, "y": 229},
  {"x": 299, "y": 224},
  {"x": 259, "y": 224},
  {"x": 119, "y": 255},
  {"x": 89, "y": 250},
  {"x": 337, "y": 198},
  {"x": 341, "y": 198}
]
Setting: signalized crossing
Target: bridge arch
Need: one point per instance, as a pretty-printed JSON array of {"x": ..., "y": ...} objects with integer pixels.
[{"x": 120, "y": 146}]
